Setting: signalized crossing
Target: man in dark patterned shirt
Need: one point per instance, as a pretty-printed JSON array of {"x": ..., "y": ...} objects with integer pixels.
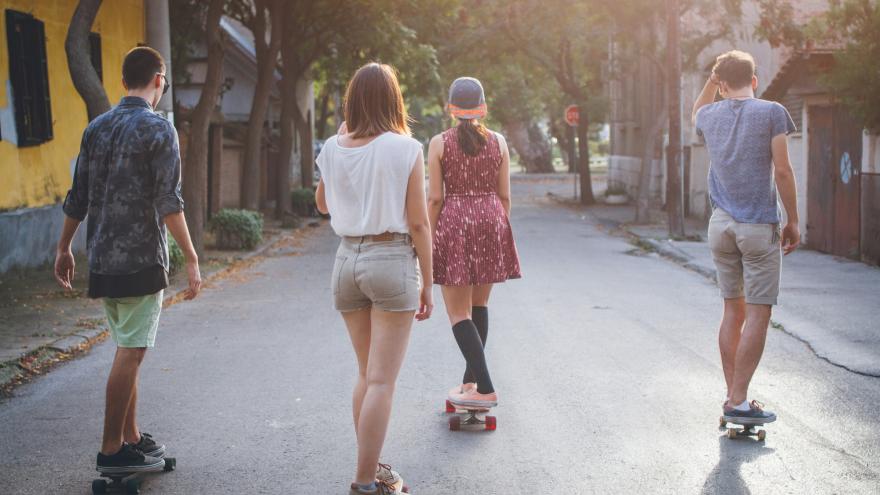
[{"x": 127, "y": 182}]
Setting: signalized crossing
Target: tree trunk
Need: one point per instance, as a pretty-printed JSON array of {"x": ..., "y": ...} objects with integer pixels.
[
  {"x": 307, "y": 148},
  {"x": 303, "y": 124},
  {"x": 290, "y": 74},
  {"x": 586, "y": 180},
  {"x": 560, "y": 132},
  {"x": 532, "y": 151},
  {"x": 79, "y": 61},
  {"x": 673, "y": 154},
  {"x": 321, "y": 122},
  {"x": 282, "y": 178},
  {"x": 267, "y": 61},
  {"x": 195, "y": 172},
  {"x": 643, "y": 203}
]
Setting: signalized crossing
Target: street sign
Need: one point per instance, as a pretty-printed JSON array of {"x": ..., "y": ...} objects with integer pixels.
[{"x": 572, "y": 115}]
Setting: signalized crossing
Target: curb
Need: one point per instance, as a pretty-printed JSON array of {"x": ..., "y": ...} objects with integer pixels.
[
  {"x": 171, "y": 297},
  {"x": 31, "y": 363},
  {"x": 669, "y": 251}
]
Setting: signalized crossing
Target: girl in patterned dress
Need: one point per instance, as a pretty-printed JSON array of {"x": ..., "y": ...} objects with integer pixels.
[{"x": 469, "y": 207}]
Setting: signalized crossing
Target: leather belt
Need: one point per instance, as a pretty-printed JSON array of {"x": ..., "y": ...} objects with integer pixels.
[{"x": 383, "y": 237}]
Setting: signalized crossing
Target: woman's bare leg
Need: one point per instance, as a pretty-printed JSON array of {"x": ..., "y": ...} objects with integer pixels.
[
  {"x": 480, "y": 295},
  {"x": 458, "y": 307},
  {"x": 358, "y": 323},
  {"x": 458, "y": 302},
  {"x": 389, "y": 339}
]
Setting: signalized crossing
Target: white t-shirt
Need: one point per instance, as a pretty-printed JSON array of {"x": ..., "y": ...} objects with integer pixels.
[{"x": 365, "y": 186}]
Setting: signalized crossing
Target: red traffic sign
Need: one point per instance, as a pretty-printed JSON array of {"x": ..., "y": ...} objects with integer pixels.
[{"x": 572, "y": 115}]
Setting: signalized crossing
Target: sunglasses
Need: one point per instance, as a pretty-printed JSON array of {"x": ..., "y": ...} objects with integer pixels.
[{"x": 167, "y": 84}]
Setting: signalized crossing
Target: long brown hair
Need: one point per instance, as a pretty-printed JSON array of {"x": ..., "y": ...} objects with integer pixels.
[
  {"x": 472, "y": 136},
  {"x": 374, "y": 103}
]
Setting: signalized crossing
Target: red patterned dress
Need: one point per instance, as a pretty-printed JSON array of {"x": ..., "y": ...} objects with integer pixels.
[{"x": 473, "y": 244}]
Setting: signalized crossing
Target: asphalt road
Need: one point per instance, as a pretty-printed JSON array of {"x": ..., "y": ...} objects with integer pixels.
[{"x": 605, "y": 361}]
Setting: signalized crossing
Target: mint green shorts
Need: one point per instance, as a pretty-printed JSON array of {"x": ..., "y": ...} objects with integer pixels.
[{"x": 134, "y": 320}]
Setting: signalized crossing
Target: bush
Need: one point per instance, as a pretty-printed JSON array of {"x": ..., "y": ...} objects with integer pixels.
[
  {"x": 616, "y": 190},
  {"x": 303, "y": 202},
  {"x": 290, "y": 221},
  {"x": 237, "y": 229},
  {"x": 175, "y": 256}
]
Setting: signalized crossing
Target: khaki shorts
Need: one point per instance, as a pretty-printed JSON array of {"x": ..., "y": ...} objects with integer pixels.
[
  {"x": 134, "y": 320},
  {"x": 747, "y": 258},
  {"x": 382, "y": 274}
]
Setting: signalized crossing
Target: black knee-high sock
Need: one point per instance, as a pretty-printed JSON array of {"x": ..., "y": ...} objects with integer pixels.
[
  {"x": 480, "y": 317},
  {"x": 471, "y": 346}
]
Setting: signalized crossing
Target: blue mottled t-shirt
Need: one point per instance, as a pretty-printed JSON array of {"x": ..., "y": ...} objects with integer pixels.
[{"x": 737, "y": 134}]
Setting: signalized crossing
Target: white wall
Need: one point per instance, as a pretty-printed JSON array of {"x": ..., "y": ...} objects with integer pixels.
[
  {"x": 797, "y": 151},
  {"x": 236, "y": 102},
  {"x": 624, "y": 171},
  {"x": 871, "y": 153},
  {"x": 699, "y": 189}
]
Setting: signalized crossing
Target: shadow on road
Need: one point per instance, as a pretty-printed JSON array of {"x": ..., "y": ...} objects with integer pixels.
[{"x": 726, "y": 476}]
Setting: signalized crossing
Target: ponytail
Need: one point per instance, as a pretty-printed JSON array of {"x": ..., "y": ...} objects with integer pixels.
[{"x": 472, "y": 136}]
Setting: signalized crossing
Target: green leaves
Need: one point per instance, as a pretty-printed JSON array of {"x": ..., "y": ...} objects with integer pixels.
[
  {"x": 303, "y": 202},
  {"x": 855, "y": 77},
  {"x": 849, "y": 27},
  {"x": 175, "y": 256},
  {"x": 237, "y": 229}
]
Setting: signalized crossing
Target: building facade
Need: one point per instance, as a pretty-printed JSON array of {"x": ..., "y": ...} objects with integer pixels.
[
  {"x": 230, "y": 121},
  {"x": 836, "y": 163},
  {"x": 42, "y": 116}
]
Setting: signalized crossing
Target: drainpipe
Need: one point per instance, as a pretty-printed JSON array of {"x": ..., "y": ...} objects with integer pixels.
[{"x": 158, "y": 30}]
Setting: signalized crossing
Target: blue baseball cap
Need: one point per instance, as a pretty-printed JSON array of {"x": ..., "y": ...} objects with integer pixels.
[{"x": 467, "y": 99}]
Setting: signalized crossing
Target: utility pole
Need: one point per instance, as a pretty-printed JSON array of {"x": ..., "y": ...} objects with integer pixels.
[{"x": 674, "y": 209}]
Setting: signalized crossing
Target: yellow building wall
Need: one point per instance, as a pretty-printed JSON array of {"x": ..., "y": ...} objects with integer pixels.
[{"x": 41, "y": 175}]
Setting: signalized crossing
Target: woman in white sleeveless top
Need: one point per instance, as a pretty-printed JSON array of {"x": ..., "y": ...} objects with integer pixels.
[{"x": 373, "y": 186}]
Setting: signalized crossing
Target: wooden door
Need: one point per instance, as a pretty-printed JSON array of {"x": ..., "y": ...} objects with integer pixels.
[
  {"x": 847, "y": 183},
  {"x": 833, "y": 184}
]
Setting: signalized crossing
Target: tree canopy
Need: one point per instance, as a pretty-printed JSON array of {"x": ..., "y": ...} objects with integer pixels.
[{"x": 850, "y": 29}]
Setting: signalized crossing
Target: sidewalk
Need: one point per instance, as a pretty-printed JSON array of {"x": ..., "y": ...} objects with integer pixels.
[
  {"x": 829, "y": 303},
  {"x": 41, "y": 324}
]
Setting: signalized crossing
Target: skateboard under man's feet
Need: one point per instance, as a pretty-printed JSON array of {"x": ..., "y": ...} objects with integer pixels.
[
  {"x": 127, "y": 482},
  {"x": 744, "y": 430},
  {"x": 476, "y": 418}
]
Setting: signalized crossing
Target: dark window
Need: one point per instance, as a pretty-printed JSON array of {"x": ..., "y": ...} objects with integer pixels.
[
  {"x": 28, "y": 72},
  {"x": 95, "y": 54}
]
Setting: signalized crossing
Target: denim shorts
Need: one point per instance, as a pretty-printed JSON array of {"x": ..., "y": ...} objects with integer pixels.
[{"x": 382, "y": 274}]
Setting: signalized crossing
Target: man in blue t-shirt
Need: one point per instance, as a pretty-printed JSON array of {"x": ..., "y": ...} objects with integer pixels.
[{"x": 748, "y": 147}]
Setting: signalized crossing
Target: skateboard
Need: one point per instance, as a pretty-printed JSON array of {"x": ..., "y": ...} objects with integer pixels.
[
  {"x": 476, "y": 418},
  {"x": 744, "y": 430},
  {"x": 127, "y": 482}
]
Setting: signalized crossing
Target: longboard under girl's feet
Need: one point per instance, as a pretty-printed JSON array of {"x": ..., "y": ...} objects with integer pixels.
[
  {"x": 400, "y": 487},
  {"x": 127, "y": 482},
  {"x": 476, "y": 418},
  {"x": 744, "y": 430}
]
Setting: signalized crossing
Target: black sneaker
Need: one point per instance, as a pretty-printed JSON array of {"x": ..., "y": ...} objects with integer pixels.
[
  {"x": 149, "y": 447},
  {"x": 128, "y": 460},
  {"x": 756, "y": 415}
]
